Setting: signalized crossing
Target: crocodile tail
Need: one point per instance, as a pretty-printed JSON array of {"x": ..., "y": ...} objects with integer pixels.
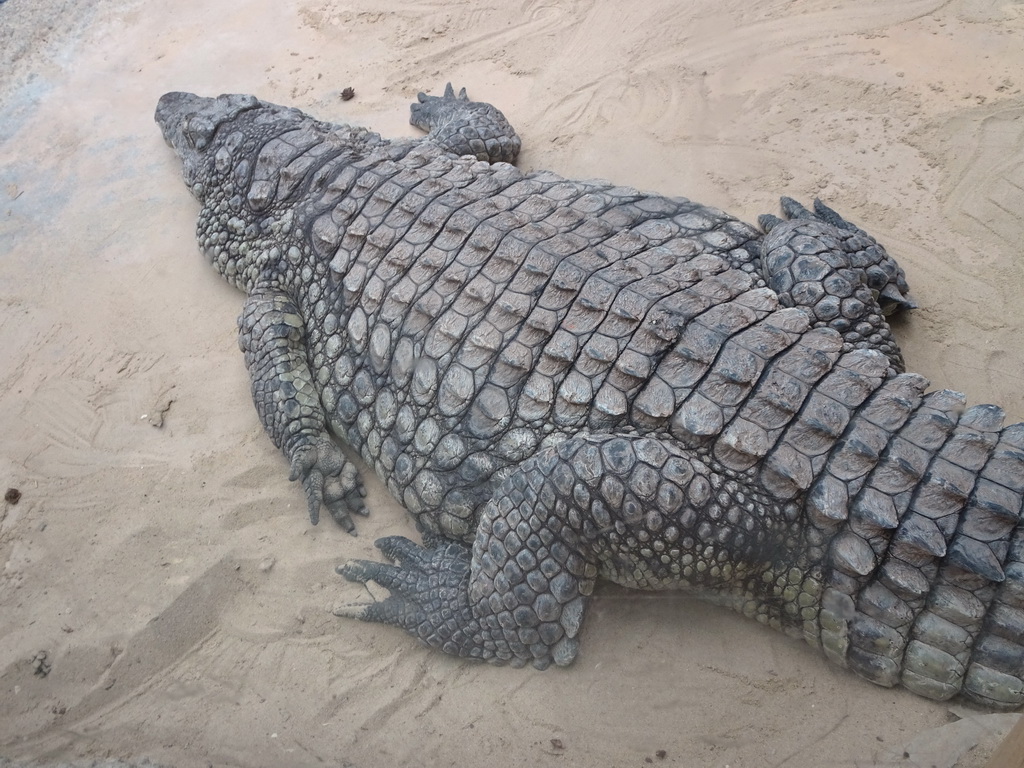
[{"x": 923, "y": 576}]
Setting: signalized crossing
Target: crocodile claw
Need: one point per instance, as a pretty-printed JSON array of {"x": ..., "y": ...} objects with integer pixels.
[
  {"x": 792, "y": 209},
  {"x": 449, "y": 93},
  {"x": 829, "y": 216},
  {"x": 768, "y": 221}
]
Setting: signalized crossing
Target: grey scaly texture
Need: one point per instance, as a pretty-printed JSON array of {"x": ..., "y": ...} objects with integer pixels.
[
  {"x": 565, "y": 381},
  {"x": 110, "y": 762}
]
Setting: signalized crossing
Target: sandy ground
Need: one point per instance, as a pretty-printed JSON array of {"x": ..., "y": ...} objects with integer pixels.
[{"x": 158, "y": 556}]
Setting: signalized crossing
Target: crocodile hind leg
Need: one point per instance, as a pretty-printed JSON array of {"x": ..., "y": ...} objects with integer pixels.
[
  {"x": 517, "y": 596},
  {"x": 640, "y": 511},
  {"x": 881, "y": 593},
  {"x": 836, "y": 271},
  {"x": 465, "y": 127}
]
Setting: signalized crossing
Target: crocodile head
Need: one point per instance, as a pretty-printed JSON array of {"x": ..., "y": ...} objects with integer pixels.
[
  {"x": 238, "y": 158},
  {"x": 190, "y": 125}
]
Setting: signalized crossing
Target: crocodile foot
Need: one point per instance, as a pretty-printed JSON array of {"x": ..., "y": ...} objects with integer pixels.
[
  {"x": 881, "y": 272},
  {"x": 429, "y": 592},
  {"x": 465, "y": 127},
  {"x": 330, "y": 480}
]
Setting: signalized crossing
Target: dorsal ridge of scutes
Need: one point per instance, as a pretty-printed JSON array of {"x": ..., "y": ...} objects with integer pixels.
[{"x": 823, "y": 419}]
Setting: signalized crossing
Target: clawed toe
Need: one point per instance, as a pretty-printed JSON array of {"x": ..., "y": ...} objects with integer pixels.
[
  {"x": 794, "y": 210},
  {"x": 829, "y": 216},
  {"x": 351, "y": 610},
  {"x": 449, "y": 94},
  {"x": 330, "y": 480},
  {"x": 364, "y": 571},
  {"x": 399, "y": 549}
]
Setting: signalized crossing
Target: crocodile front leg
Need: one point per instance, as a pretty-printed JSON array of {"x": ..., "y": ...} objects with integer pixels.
[{"x": 272, "y": 336}]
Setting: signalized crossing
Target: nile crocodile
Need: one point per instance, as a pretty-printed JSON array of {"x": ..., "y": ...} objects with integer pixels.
[{"x": 564, "y": 380}]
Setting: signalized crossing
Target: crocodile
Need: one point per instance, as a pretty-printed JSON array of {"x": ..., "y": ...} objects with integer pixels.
[{"x": 570, "y": 380}]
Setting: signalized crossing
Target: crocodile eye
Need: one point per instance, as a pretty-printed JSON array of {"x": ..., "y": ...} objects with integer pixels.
[
  {"x": 203, "y": 130},
  {"x": 197, "y": 131},
  {"x": 185, "y": 132}
]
